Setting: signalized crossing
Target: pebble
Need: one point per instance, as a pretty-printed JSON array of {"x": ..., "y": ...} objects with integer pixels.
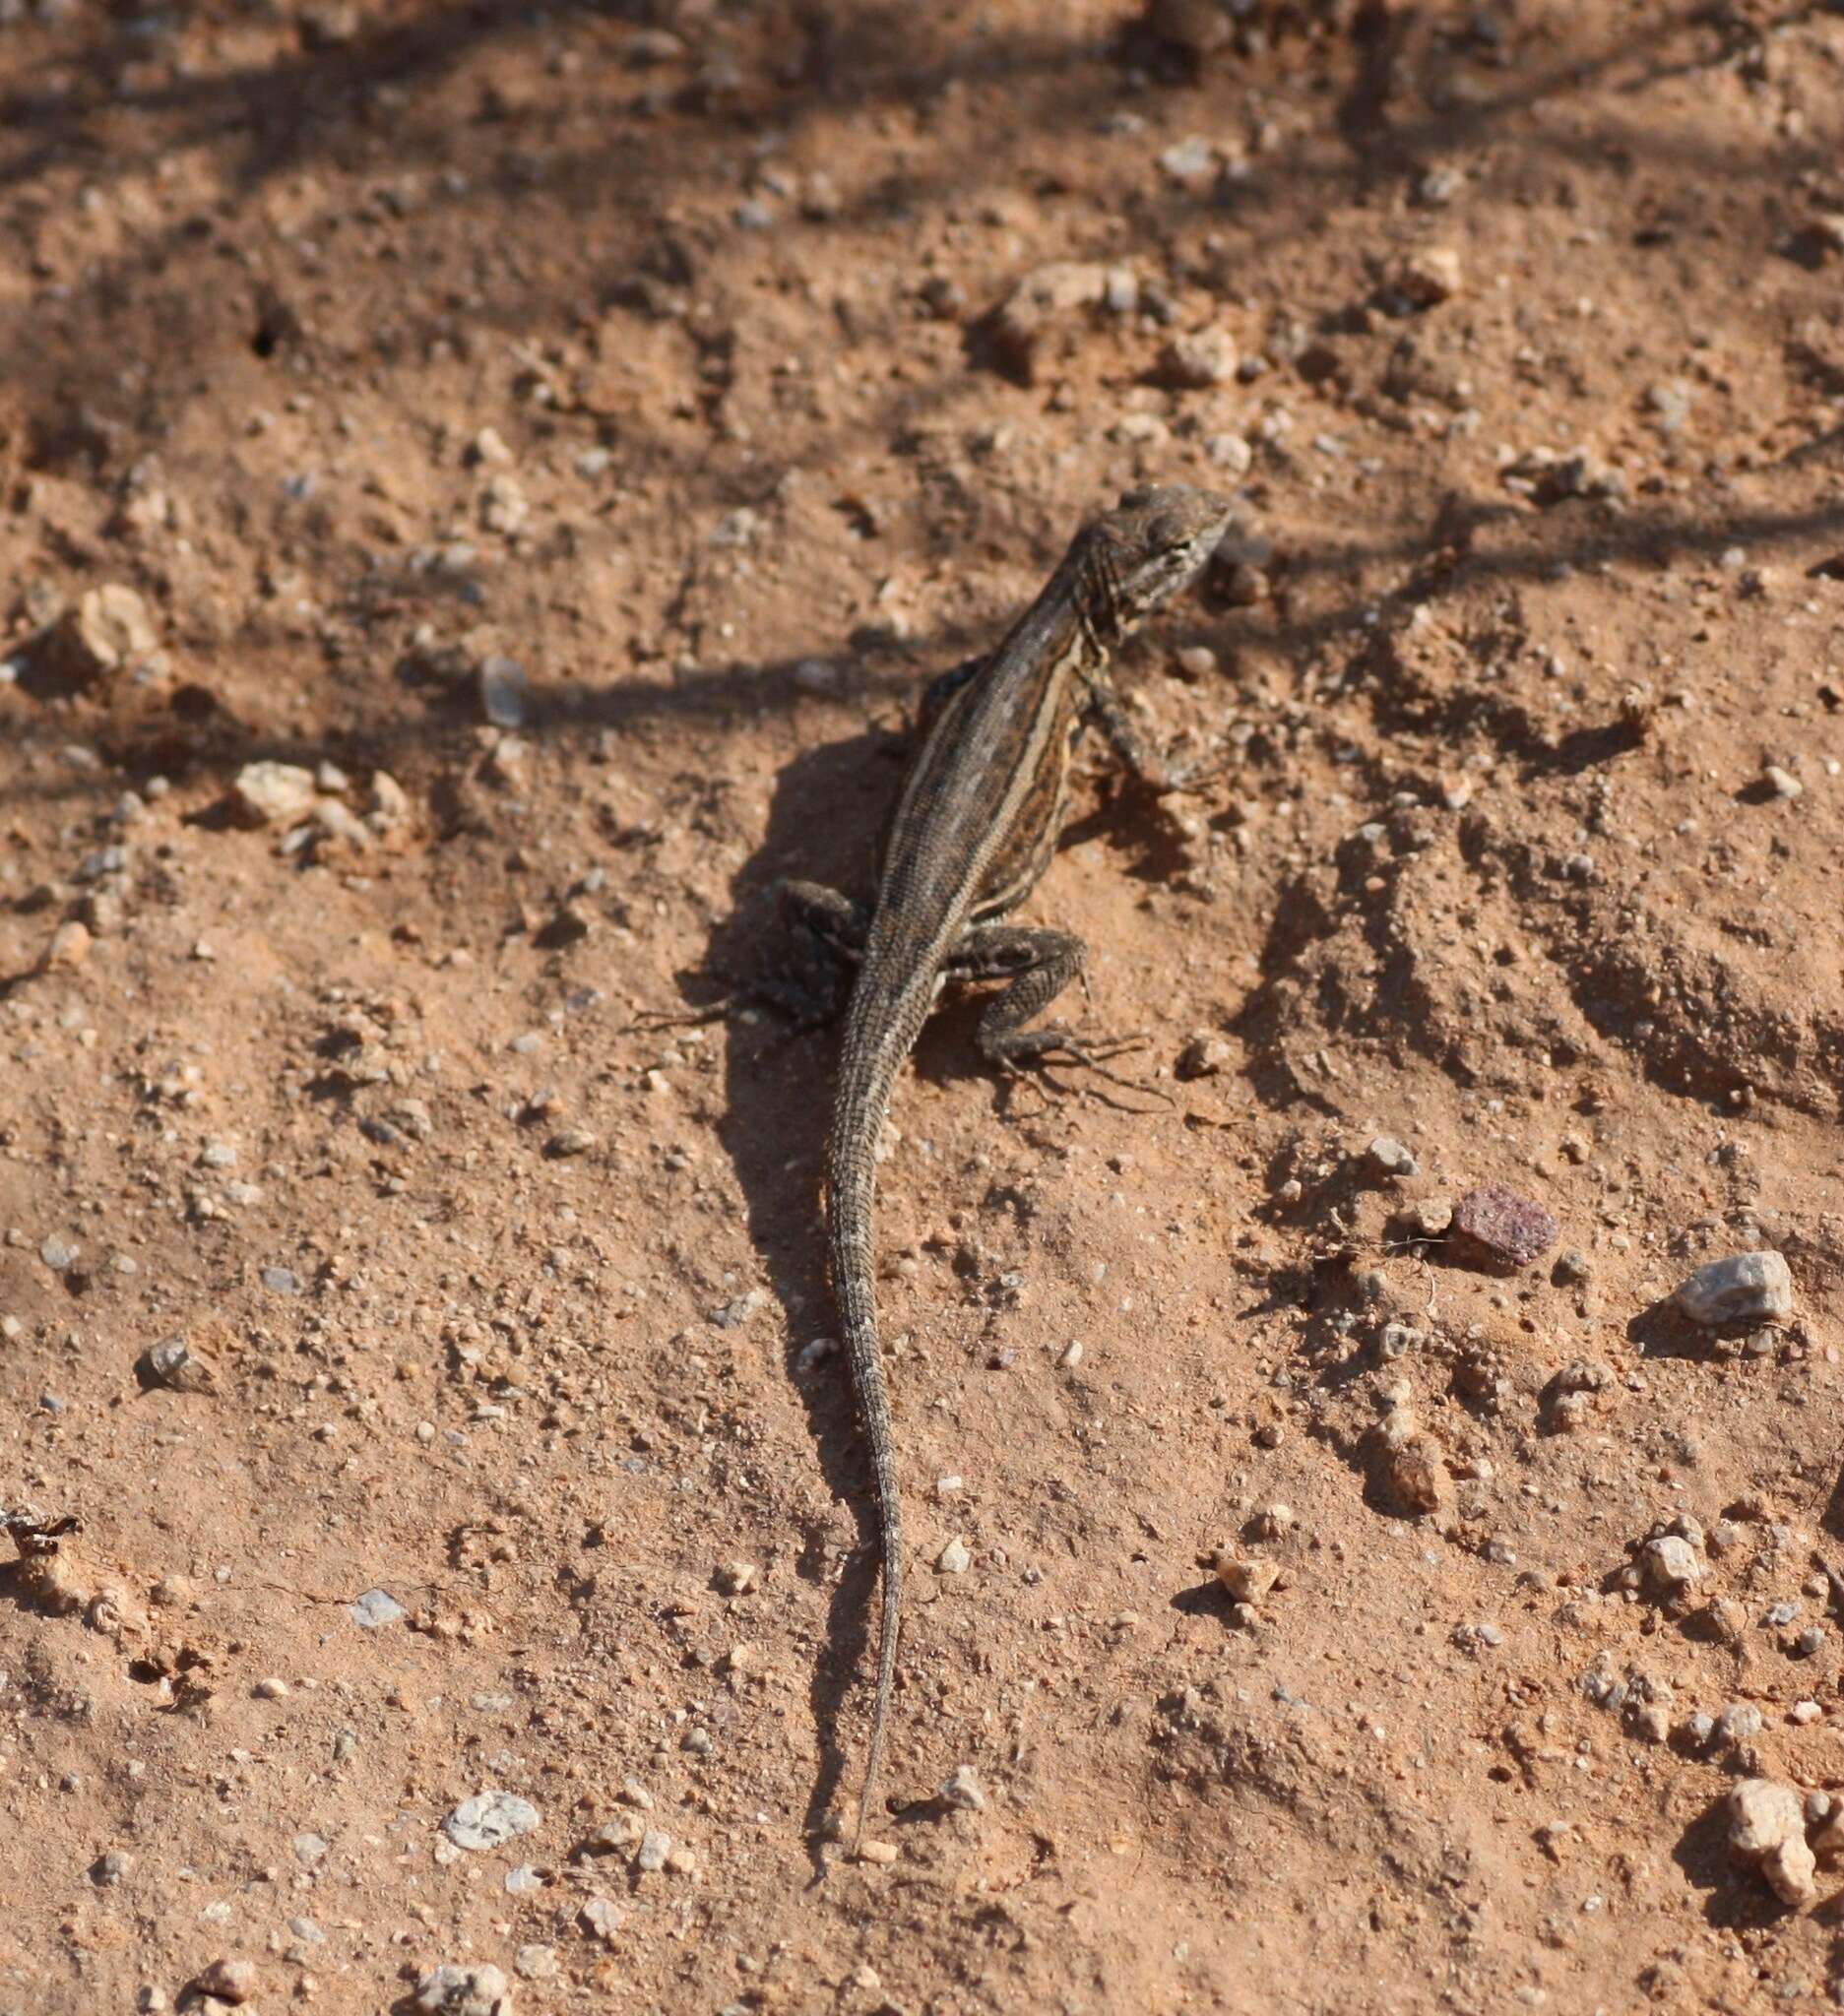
[
  {"x": 736, "y": 1578},
  {"x": 1199, "y": 359},
  {"x": 282, "y": 1281},
  {"x": 70, "y": 946},
  {"x": 1388, "y": 1155},
  {"x": 600, "y": 1919},
  {"x": 503, "y": 691},
  {"x": 536, "y": 1962},
  {"x": 1768, "y": 1833},
  {"x": 1508, "y": 1229},
  {"x": 568, "y": 1142},
  {"x": 274, "y": 793},
  {"x": 1203, "y": 1058},
  {"x": 227, "y": 1981},
  {"x": 656, "y": 1844},
  {"x": 489, "y": 1819},
  {"x": 1782, "y": 783},
  {"x": 106, "y": 630},
  {"x": 1229, "y": 452},
  {"x": 1432, "y": 1216},
  {"x": 1672, "y": 1563},
  {"x": 522, "y": 1880},
  {"x": 1429, "y": 276},
  {"x": 883, "y": 1852},
  {"x": 954, "y": 1558},
  {"x": 1044, "y": 296},
  {"x": 1744, "y": 1287},
  {"x": 963, "y": 1789},
  {"x": 489, "y": 447},
  {"x": 1249, "y": 1581},
  {"x": 270, "y": 1689},
  {"x": 503, "y": 506},
  {"x": 309, "y": 1849},
  {"x": 376, "y": 1608},
  {"x": 1418, "y": 1473},
  {"x": 1739, "y": 1722},
  {"x": 172, "y": 1365},
  {"x": 59, "y": 1253},
  {"x": 476, "y": 1990},
  {"x": 1188, "y": 160}
]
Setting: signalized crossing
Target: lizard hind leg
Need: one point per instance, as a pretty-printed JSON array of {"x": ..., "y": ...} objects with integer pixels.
[
  {"x": 826, "y": 934},
  {"x": 1039, "y": 965}
]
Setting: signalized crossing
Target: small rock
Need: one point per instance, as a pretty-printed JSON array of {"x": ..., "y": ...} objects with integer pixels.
[
  {"x": 1200, "y": 27},
  {"x": 656, "y": 1844},
  {"x": 738, "y": 1578},
  {"x": 309, "y": 1849},
  {"x": 273, "y": 793},
  {"x": 105, "y": 631},
  {"x": 1390, "y": 1158},
  {"x": 374, "y": 1609},
  {"x": 1199, "y": 359},
  {"x": 503, "y": 506},
  {"x": 1432, "y": 1216},
  {"x": 503, "y": 691},
  {"x": 1672, "y": 1563},
  {"x": 489, "y": 1819},
  {"x": 954, "y": 1558},
  {"x": 568, "y": 1142},
  {"x": 536, "y": 1962},
  {"x": 1782, "y": 783},
  {"x": 1203, "y": 1058},
  {"x": 1739, "y": 1722},
  {"x": 476, "y": 1990},
  {"x": 69, "y": 947},
  {"x": 964, "y": 1789},
  {"x": 883, "y": 1852},
  {"x": 1767, "y": 1832},
  {"x": 1043, "y": 298},
  {"x": 487, "y": 447},
  {"x": 59, "y": 1253},
  {"x": 227, "y": 1981},
  {"x": 171, "y": 1363},
  {"x": 1508, "y": 1229},
  {"x": 602, "y": 1918},
  {"x": 270, "y": 1689},
  {"x": 390, "y": 802},
  {"x": 1249, "y": 1581},
  {"x": 1745, "y": 1287},
  {"x": 1416, "y": 1470},
  {"x": 1429, "y": 277}
]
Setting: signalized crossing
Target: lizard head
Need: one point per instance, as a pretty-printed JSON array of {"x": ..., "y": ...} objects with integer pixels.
[{"x": 1152, "y": 542}]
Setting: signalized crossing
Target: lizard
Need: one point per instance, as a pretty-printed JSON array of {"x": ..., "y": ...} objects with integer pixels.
[{"x": 973, "y": 828}]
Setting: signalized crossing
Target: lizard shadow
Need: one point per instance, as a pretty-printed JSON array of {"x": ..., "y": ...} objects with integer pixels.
[{"x": 825, "y": 815}]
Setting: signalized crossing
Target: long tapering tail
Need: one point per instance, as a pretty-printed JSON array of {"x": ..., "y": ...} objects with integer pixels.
[{"x": 866, "y": 1073}]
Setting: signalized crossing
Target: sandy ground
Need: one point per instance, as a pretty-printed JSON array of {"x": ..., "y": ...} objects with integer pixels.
[{"x": 566, "y": 441}]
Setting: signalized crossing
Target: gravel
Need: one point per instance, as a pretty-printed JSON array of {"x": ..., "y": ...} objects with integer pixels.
[{"x": 954, "y": 1558}]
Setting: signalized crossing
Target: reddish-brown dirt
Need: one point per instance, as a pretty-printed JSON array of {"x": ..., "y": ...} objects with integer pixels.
[{"x": 657, "y": 350}]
